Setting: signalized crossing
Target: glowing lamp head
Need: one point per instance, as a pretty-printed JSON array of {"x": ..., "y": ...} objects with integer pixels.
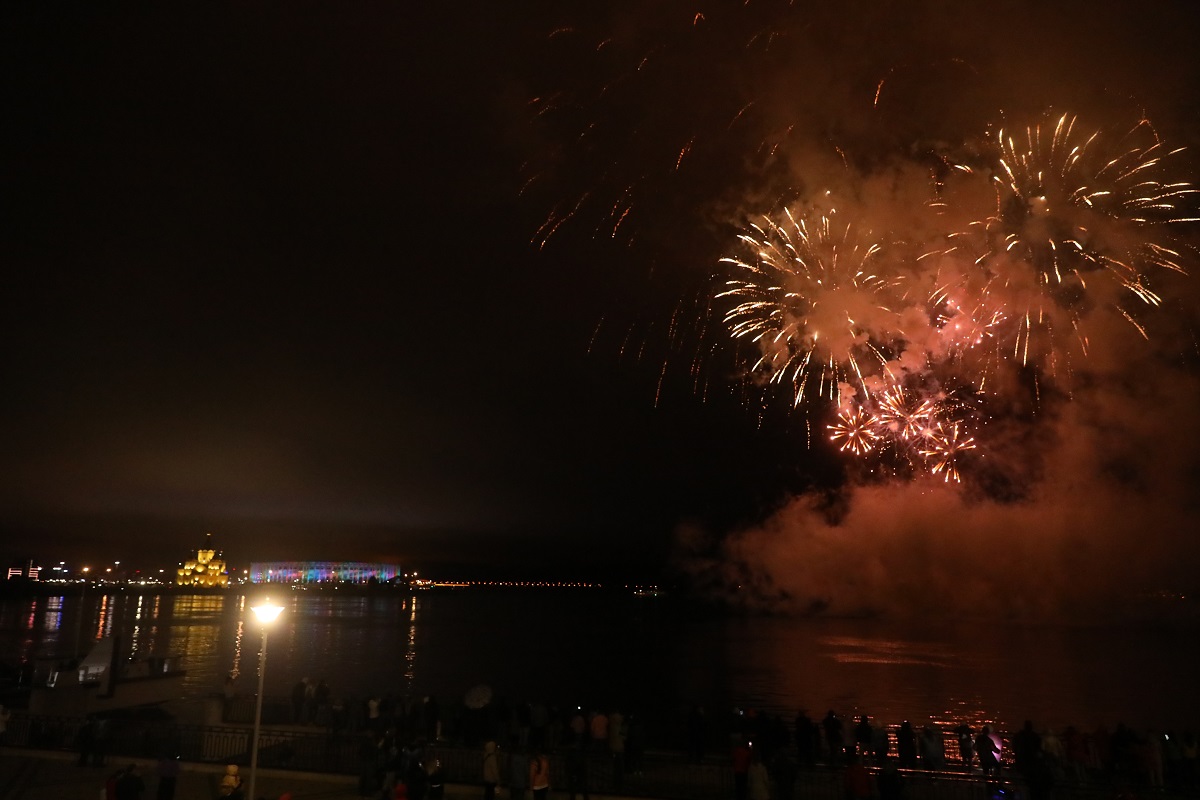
[{"x": 266, "y": 611}]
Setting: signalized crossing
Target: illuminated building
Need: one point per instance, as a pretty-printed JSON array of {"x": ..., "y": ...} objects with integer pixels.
[
  {"x": 206, "y": 569},
  {"x": 321, "y": 572},
  {"x": 28, "y": 571}
]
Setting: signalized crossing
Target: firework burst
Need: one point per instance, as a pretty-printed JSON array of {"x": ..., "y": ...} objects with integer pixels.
[
  {"x": 1082, "y": 222},
  {"x": 942, "y": 448},
  {"x": 855, "y": 431},
  {"x": 904, "y": 416},
  {"x": 812, "y": 299}
]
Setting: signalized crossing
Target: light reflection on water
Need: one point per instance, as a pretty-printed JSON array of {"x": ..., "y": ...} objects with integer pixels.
[{"x": 639, "y": 652}]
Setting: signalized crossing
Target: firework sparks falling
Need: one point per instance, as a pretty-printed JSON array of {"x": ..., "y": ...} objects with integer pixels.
[
  {"x": 1079, "y": 227},
  {"x": 811, "y": 297},
  {"x": 1082, "y": 220}
]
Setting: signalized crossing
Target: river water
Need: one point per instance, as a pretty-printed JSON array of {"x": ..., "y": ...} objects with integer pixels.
[{"x": 603, "y": 648}]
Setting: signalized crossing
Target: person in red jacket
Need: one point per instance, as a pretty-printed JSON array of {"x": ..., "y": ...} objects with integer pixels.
[
  {"x": 741, "y": 756},
  {"x": 539, "y": 775}
]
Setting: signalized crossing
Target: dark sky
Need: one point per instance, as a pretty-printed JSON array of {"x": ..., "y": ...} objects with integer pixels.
[
  {"x": 269, "y": 277},
  {"x": 271, "y": 273}
]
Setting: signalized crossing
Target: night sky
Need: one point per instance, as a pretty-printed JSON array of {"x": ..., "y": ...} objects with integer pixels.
[{"x": 279, "y": 273}]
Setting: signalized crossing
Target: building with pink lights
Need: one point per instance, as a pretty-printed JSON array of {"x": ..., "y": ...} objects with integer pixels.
[{"x": 322, "y": 572}]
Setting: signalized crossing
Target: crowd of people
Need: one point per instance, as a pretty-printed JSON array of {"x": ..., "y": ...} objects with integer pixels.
[
  {"x": 1039, "y": 758},
  {"x": 396, "y": 761},
  {"x": 396, "y": 734}
]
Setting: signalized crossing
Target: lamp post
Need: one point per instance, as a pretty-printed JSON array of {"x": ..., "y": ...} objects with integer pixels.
[
  {"x": 82, "y": 606},
  {"x": 266, "y": 614}
]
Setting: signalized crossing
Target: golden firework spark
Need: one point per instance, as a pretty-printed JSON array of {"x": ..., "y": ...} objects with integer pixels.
[
  {"x": 1077, "y": 214},
  {"x": 811, "y": 297},
  {"x": 854, "y": 431},
  {"x": 942, "y": 447}
]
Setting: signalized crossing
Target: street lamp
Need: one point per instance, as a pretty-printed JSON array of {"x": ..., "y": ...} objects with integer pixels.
[{"x": 266, "y": 613}]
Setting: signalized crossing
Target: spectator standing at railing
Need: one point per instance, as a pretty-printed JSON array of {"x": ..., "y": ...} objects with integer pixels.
[
  {"x": 393, "y": 762},
  {"x": 1075, "y": 750},
  {"x": 168, "y": 775},
  {"x": 864, "y": 736},
  {"x": 616, "y": 746},
  {"x": 577, "y": 772},
  {"x": 539, "y": 721},
  {"x": 758, "y": 780},
  {"x": 834, "y": 738},
  {"x": 321, "y": 696},
  {"x": 1052, "y": 746},
  {"x": 783, "y": 774},
  {"x": 856, "y": 779},
  {"x": 432, "y": 714},
  {"x": 84, "y": 739},
  {"x": 577, "y": 726},
  {"x": 518, "y": 774},
  {"x": 740, "y": 759},
  {"x": 598, "y": 730},
  {"x": 374, "y": 719},
  {"x": 229, "y": 692},
  {"x": 966, "y": 745},
  {"x": 231, "y": 783},
  {"x": 417, "y": 780},
  {"x": 490, "y": 770},
  {"x": 130, "y": 785},
  {"x": 298, "y": 700},
  {"x": 368, "y": 764},
  {"x": 890, "y": 781},
  {"x": 539, "y": 774},
  {"x": 906, "y": 745},
  {"x": 988, "y": 752},
  {"x": 933, "y": 749},
  {"x": 1026, "y": 745},
  {"x": 99, "y": 743},
  {"x": 437, "y": 779},
  {"x": 1039, "y": 776},
  {"x": 880, "y": 743},
  {"x": 808, "y": 740},
  {"x": 521, "y": 712}
]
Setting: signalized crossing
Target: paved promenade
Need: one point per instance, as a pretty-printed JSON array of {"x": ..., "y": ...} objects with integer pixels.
[
  {"x": 55, "y": 775},
  {"x": 48, "y": 775}
]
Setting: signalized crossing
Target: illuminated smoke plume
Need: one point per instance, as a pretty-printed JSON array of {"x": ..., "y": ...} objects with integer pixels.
[{"x": 984, "y": 313}]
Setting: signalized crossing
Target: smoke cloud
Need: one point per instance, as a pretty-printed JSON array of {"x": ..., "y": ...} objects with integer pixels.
[{"x": 1079, "y": 501}]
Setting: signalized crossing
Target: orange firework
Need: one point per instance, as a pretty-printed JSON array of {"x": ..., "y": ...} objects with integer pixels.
[
  {"x": 942, "y": 447},
  {"x": 903, "y": 415},
  {"x": 811, "y": 296},
  {"x": 1082, "y": 219},
  {"x": 854, "y": 431}
]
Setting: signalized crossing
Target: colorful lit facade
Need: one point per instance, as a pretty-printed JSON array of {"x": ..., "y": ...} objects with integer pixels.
[{"x": 321, "y": 572}]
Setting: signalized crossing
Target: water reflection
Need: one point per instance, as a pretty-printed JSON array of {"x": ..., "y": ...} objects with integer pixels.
[
  {"x": 525, "y": 645},
  {"x": 235, "y": 670},
  {"x": 410, "y": 648},
  {"x": 52, "y": 616}
]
